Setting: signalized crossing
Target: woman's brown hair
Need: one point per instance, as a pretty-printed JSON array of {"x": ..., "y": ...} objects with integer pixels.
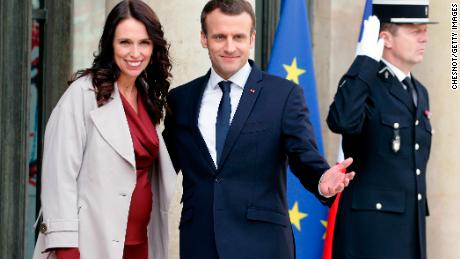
[{"x": 154, "y": 82}]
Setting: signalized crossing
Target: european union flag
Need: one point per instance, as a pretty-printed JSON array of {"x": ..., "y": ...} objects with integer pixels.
[{"x": 292, "y": 59}]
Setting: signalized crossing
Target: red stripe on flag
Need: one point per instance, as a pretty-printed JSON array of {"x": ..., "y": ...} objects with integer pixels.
[{"x": 327, "y": 253}]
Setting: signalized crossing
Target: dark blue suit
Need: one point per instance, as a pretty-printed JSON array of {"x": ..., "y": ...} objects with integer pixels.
[
  {"x": 382, "y": 212},
  {"x": 240, "y": 210}
]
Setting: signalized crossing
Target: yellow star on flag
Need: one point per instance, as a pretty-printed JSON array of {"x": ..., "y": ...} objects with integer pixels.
[
  {"x": 324, "y": 223},
  {"x": 293, "y": 72},
  {"x": 295, "y": 215}
]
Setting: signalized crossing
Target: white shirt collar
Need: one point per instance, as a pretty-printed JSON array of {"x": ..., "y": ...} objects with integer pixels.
[
  {"x": 239, "y": 78},
  {"x": 396, "y": 71}
]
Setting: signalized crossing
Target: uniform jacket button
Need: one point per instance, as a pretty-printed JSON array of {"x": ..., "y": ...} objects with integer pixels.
[
  {"x": 418, "y": 172},
  {"x": 378, "y": 205},
  {"x": 417, "y": 122},
  {"x": 419, "y": 197},
  {"x": 417, "y": 146}
]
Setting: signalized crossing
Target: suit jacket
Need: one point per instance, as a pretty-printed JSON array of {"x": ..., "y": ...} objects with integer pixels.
[
  {"x": 88, "y": 177},
  {"x": 382, "y": 213},
  {"x": 240, "y": 209}
]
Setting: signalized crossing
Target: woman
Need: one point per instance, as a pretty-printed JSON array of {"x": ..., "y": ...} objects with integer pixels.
[{"x": 107, "y": 179}]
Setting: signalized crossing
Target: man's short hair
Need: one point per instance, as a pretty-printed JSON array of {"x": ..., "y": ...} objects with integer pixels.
[
  {"x": 230, "y": 7},
  {"x": 389, "y": 27}
]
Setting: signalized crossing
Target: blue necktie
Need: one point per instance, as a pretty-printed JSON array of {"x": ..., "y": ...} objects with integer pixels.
[
  {"x": 223, "y": 118},
  {"x": 410, "y": 89}
]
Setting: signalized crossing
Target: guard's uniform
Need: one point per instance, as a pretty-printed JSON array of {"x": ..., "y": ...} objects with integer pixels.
[{"x": 382, "y": 212}]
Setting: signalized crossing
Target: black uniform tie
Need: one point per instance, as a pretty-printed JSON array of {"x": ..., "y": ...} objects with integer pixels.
[
  {"x": 223, "y": 118},
  {"x": 410, "y": 89}
]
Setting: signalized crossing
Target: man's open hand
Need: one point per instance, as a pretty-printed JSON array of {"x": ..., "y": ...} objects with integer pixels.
[{"x": 335, "y": 180}]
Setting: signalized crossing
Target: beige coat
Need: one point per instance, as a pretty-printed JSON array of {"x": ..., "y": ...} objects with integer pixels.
[{"x": 88, "y": 176}]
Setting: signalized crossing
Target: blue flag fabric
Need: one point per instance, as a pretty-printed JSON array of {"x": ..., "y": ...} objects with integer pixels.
[
  {"x": 292, "y": 59},
  {"x": 367, "y": 12}
]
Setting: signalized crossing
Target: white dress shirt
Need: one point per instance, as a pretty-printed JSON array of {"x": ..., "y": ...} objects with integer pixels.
[{"x": 210, "y": 104}]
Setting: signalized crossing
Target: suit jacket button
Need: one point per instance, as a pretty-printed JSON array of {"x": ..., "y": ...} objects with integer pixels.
[
  {"x": 378, "y": 205},
  {"x": 43, "y": 228}
]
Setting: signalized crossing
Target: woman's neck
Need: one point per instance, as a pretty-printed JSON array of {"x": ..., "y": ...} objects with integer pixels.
[{"x": 127, "y": 87}]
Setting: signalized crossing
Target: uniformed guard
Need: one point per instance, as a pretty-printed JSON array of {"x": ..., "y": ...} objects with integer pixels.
[{"x": 383, "y": 114}]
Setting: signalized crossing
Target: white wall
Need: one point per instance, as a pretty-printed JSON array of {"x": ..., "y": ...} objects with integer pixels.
[{"x": 88, "y": 22}]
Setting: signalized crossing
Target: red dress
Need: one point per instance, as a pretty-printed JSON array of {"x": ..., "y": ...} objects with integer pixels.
[{"x": 146, "y": 143}]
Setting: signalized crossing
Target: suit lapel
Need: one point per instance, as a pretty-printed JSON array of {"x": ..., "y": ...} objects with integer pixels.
[
  {"x": 195, "y": 98},
  {"x": 111, "y": 122},
  {"x": 248, "y": 98},
  {"x": 398, "y": 91},
  {"x": 396, "y": 88},
  {"x": 421, "y": 102}
]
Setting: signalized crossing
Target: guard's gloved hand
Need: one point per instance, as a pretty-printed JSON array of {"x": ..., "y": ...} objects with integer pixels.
[{"x": 370, "y": 44}]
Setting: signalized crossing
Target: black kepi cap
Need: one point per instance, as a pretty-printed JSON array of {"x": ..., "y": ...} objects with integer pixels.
[{"x": 402, "y": 11}]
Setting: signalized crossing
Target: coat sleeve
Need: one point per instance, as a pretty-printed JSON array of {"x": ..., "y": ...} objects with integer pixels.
[
  {"x": 352, "y": 102},
  {"x": 304, "y": 159},
  {"x": 64, "y": 144}
]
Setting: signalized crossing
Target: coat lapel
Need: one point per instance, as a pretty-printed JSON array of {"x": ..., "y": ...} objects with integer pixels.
[
  {"x": 111, "y": 122},
  {"x": 421, "y": 102},
  {"x": 195, "y": 97},
  {"x": 398, "y": 91},
  {"x": 248, "y": 98},
  {"x": 165, "y": 179},
  {"x": 396, "y": 88}
]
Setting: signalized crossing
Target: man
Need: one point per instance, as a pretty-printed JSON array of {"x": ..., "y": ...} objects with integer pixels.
[
  {"x": 233, "y": 145},
  {"x": 383, "y": 114}
]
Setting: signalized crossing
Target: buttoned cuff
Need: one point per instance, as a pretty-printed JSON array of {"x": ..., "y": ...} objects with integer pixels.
[
  {"x": 60, "y": 233},
  {"x": 61, "y": 239}
]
